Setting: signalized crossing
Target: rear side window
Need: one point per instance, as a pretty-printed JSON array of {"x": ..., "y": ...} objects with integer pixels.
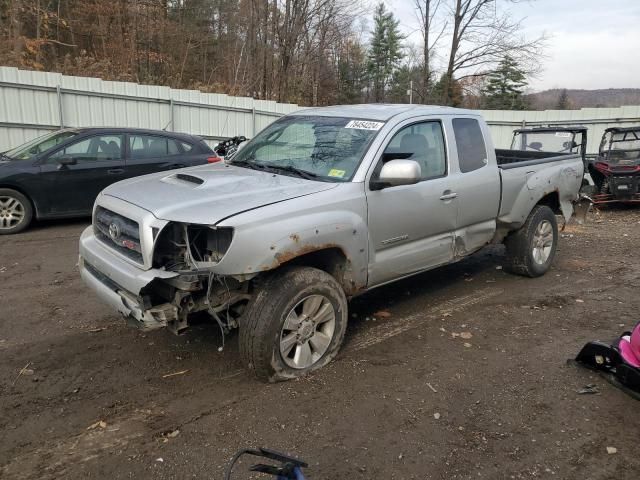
[
  {"x": 186, "y": 147},
  {"x": 150, "y": 146},
  {"x": 472, "y": 152}
]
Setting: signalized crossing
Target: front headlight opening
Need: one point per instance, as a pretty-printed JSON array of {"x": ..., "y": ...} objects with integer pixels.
[{"x": 209, "y": 244}]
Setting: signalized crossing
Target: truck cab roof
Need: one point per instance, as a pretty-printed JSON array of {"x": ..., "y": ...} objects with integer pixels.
[{"x": 382, "y": 111}]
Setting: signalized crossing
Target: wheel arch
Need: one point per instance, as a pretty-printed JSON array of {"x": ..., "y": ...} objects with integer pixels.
[{"x": 331, "y": 259}]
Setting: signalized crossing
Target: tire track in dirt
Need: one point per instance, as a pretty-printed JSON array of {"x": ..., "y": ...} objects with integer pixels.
[{"x": 390, "y": 329}]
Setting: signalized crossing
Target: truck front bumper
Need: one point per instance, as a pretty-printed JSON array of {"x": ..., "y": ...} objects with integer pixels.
[{"x": 118, "y": 283}]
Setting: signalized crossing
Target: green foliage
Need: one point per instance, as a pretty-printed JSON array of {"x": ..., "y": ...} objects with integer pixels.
[
  {"x": 505, "y": 87},
  {"x": 385, "y": 51},
  {"x": 455, "y": 96},
  {"x": 352, "y": 74}
]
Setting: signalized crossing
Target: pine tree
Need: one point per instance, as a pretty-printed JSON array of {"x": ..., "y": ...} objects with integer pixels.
[
  {"x": 563, "y": 100},
  {"x": 505, "y": 87},
  {"x": 455, "y": 96},
  {"x": 385, "y": 51}
]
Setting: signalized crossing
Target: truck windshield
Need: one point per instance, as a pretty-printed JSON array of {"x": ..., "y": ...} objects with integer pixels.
[
  {"x": 559, "y": 142},
  {"x": 314, "y": 147},
  {"x": 38, "y": 145}
]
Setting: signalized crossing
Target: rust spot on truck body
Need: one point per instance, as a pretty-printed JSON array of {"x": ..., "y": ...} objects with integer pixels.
[{"x": 288, "y": 255}]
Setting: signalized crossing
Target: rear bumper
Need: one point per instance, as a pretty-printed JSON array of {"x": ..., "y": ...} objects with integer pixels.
[{"x": 116, "y": 281}]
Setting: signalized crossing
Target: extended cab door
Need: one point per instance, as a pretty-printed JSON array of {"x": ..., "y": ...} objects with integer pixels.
[
  {"x": 477, "y": 185},
  {"x": 412, "y": 226}
]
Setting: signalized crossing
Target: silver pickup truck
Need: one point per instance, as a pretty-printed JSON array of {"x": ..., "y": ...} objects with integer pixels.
[{"x": 322, "y": 205}]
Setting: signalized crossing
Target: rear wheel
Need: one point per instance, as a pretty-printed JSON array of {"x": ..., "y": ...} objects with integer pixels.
[
  {"x": 15, "y": 211},
  {"x": 531, "y": 248},
  {"x": 294, "y": 325}
]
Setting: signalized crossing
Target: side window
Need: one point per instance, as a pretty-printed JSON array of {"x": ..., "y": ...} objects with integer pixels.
[
  {"x": 186, "y": 147},
  {"x": 151, "y": 146},
  {"x": 425, "y": 144},
  {"x": 472, "y": 152},
  {"x": 92, "y": 149}
]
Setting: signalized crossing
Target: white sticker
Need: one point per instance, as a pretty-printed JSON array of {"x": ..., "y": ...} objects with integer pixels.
[
  {"x": 364, "y": 125},
  {"x": 563, "y": 134}
]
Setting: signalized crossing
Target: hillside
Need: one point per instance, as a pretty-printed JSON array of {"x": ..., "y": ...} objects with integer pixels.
[{"x": 611, "y": 97}]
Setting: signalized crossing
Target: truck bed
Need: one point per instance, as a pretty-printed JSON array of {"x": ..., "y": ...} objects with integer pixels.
[{"x": 520, "y": 158}]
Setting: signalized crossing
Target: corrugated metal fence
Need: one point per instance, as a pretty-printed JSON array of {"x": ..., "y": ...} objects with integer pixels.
[{"x": 32, "y": 103}]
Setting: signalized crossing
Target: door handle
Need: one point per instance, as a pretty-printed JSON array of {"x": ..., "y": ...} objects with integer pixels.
[
  {"x": 448, "y": 195},
  {"x": 177, "y": 165},
  {"x": 115, "y": 171}
]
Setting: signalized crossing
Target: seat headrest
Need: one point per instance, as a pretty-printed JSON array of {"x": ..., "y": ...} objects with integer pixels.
[{"x": 415, "y": 143}]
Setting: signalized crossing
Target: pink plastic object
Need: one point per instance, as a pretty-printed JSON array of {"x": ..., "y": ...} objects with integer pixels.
[{"x": 630, "y": 347}]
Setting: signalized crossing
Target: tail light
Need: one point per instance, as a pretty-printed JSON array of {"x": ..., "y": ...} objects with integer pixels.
[{"x": 214, "y": 159}]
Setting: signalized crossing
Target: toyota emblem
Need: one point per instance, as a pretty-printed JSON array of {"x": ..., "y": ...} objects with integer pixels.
[{"x": 114, "y": 231}]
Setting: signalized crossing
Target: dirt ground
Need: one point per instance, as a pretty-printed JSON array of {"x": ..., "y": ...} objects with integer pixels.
[{"x": 459, "y": 373}]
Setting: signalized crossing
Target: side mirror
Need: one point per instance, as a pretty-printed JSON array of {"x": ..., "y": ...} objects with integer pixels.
[
  {"x": 398, "y": 172},
  {"x": 66, "y": 161}
]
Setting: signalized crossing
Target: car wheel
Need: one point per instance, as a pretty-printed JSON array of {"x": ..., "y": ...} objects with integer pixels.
[
  {"x": 16, "y": 211},
  {"x": 531, "y": 248},
  {"x": 295, "y": 324}
]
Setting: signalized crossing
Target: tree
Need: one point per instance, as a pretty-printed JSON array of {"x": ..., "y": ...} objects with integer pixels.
[
  {"x": 427, "y": 11},
  {"x": 385, "y": 51},
  {"x": 563, "y": 100},
  {"x": 453, "y": 88},
  {"x": 481, "y": 37},
  {"x": 505, "y": 86}
]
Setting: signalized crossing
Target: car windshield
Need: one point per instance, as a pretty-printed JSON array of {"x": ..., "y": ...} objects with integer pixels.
[
  {"x": 624, "y": 149},
  {"x": 321, "y": 148},
  {"x": 38, "y": 145},
  {"x": 560, "y": 142}
]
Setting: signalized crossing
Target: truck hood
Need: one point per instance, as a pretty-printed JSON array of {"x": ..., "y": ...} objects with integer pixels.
[{"x": 208, "y": 194}]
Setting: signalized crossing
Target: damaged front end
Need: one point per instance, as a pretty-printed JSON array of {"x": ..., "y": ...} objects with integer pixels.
[{"x": 180, "y": 282}]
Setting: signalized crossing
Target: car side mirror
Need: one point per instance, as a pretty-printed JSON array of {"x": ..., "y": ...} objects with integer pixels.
[
  {"x": 66, "y": 161},
  {"x": 397, "y": 172}
]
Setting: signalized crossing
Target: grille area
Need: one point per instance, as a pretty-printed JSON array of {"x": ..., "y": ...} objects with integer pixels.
[{"x": 118, "y": 232}]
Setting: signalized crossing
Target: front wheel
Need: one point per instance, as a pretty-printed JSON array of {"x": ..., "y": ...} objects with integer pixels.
[
  {"x": 294, "y": 324},
  {"x": 531, "y": 248}
]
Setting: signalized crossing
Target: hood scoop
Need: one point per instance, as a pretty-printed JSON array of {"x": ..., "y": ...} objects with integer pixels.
[{"x": 182, "y": 178}]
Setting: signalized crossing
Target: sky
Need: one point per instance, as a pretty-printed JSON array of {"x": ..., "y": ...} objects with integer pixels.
[{"x": 592, "y": 43}]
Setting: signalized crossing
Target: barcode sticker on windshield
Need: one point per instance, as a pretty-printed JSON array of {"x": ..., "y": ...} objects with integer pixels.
[
  {"x": 364, "y": 125},
  {"x": 563, "y": 134}
]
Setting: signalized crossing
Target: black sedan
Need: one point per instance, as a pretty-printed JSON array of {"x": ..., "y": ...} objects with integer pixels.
[{"x": 60, "y": 174}]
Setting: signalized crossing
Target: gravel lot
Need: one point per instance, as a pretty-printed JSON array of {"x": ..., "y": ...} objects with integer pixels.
[{"x": 459, "y": 373}]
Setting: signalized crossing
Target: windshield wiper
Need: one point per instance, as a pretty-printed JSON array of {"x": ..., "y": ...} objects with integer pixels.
[
  {"x": 266, "y": 167},
  {"x": 247, "y": 164},
  {"x": 296, "y": 171},
  {"x": 4, "y": 156}
]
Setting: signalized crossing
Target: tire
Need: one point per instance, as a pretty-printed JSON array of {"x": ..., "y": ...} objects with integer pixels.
[
  {"x": 268, "y": 324},
  {"x": 16, "y": 212},
  {"x": 531, "y": 248}
]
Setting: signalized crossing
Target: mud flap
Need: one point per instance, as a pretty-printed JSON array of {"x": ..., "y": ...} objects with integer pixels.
[{"x": 581, "y": 207}]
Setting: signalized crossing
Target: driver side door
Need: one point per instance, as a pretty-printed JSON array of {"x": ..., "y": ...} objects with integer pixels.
[
  {"x": 412, "y": 227},
  {"x": 71, "y": 189}
]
